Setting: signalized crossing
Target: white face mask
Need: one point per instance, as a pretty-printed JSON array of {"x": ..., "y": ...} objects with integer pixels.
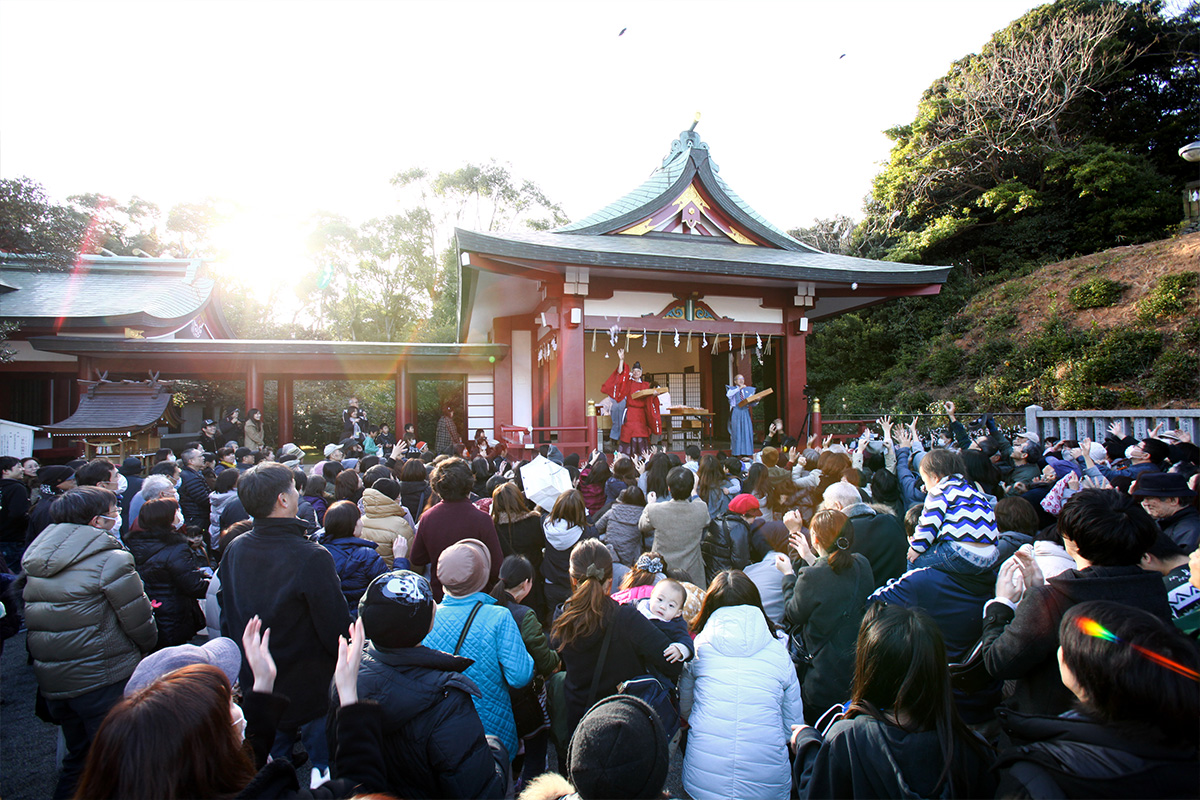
[
  {"x": 178, "y": 519},
  {"x": 238, "y": 720}
]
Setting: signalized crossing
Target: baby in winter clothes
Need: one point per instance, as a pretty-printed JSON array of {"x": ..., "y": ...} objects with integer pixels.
[{"x": 664, "y": 609}]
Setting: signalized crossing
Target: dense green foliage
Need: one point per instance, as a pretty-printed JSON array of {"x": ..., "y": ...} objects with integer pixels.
[
  {"x": 1057, "y": 139},
  {"x": 1096, "y": 293},
  {"x": 1171, "y": 296}
]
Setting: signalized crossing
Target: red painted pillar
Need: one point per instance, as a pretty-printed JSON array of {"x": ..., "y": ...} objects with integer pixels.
[
  {"x": 572, "y": 391},
  {"x": 502, "y": 379},
  {"x": 793, "y": 406},
  {"x": 285, "y": 410},
  {"x": 254, "y": 389}
]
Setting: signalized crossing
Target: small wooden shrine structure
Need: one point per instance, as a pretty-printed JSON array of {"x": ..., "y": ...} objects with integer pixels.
[{"x": 117, "y": 418}]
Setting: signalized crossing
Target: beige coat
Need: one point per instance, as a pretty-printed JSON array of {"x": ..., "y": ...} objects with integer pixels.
[
  {"x": 383, "y": 521},
  {"x": 88, "y": 616},
  {"x": 678, "y": 527}
]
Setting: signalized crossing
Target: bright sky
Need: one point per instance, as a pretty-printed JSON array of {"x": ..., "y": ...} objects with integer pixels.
[{"x": 291, "y": 107}]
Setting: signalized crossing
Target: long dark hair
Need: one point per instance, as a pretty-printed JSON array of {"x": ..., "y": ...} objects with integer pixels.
[
  {"x": 656, "y": 474},
  {"x": 757, "y": 480},
  {"x": 589, "y": 605},
  {"x": 901, "y": 679},
  {"x": 730, "y": 588},
  {"x": 835, "y": 533},
  {"x": 709, "y": 477},
  {"x": 1124, "y": 688},
  {"x": 173, "y": 739},
  {"x": 598, "y": 472}
]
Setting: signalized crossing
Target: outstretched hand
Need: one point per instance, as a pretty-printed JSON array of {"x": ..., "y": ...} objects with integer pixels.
[
  {"x": 885, "y": 425},
  {"x": 903, "y": 439},
  {"x": 349, "y": 657},
  {"x": 621, "y": 355},
  {"x": 1117, "y": 429},
  {"x": 256, "y": 644},
  {"x": 676, "y": 653}
]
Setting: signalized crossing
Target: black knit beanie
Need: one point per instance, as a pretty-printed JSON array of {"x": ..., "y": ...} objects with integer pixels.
[{"x": 618, "y": 751}]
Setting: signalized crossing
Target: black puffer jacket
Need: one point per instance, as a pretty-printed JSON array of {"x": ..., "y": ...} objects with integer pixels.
[
  {"x": 174, "y": 583},
  {"x": 1074, "y": 756},
  {"x": 193, "y": 498},
  {"x": 433, "y": 741},
  {"x": 413, "y": 495}
]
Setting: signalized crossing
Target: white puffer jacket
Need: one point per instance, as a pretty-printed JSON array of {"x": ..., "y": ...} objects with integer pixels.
[{"x": 741, "y": 697}]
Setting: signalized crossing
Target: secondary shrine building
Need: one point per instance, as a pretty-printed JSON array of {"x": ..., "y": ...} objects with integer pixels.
[{"x": 681, "y": 273}]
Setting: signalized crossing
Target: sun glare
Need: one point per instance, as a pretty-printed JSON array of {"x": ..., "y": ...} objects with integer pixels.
[{"x": 263, "y": 253}]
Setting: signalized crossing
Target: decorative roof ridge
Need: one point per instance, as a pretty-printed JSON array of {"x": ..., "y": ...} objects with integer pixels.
[{"x": 689, "y": 157}]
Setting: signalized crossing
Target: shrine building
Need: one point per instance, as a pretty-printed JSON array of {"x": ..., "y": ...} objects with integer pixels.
[
  {"x": 681, "y": 272},
  {"x": 685, "y": 276}
]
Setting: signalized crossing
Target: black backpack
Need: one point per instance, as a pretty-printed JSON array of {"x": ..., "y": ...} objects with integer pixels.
[{"x": 725, "y": 545}]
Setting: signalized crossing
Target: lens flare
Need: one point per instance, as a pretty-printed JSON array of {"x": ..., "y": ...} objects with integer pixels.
[{"x": 1092, "y": 628}]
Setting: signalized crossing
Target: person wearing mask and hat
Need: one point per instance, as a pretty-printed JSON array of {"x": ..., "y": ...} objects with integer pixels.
[
  {"x": 54, "y": 481},
  {"x": 1167, "y": 498},
  {"x": 131, "y": 469},
  {"x": 470, "y": 624},
  {"x": 434, "y": 744},
  {"x": 641, "y": 413},
  {"x": 208, "y": 436}
]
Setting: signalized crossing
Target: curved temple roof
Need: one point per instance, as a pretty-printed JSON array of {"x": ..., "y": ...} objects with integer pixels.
[{"x": 102, "y": 290}]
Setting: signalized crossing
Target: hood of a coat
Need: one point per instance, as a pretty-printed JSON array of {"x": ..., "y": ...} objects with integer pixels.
[
  {"x": 627, "y": 513},
  {"x": 739, "y": 631},
  {"x": 216, "y": 500},
  {"x": 1105, "y": 583},
  {"x": 859, "y": 510},
  {"x": 378, "y": 504},
  {"x": 63, "y": 545},
  {"x": 414, "y": 679},
  {"x": 560, "y": 534}
]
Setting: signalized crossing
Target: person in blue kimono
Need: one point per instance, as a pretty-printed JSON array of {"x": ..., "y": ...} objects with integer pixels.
[{"x": 741, "y": 429}]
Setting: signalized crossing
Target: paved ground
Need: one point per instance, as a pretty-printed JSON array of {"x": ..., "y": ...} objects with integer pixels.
[{"x": 27, "y": 745}]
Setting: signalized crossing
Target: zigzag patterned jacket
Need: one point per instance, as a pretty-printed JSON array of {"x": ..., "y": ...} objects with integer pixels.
[{"x": 955, "y": 511}]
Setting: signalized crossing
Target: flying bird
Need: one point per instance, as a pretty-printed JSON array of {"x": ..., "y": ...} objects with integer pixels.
[{"x": 622, "y": 33}]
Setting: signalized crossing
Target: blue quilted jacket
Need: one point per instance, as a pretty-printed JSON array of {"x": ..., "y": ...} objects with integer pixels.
[
  {"x": 501, "y": 660},
  {"x": 357, "y": 563}
]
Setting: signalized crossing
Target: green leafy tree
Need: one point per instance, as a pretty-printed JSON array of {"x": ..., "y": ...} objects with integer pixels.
[
  {"x": 31, "y": 224},
  {"x": 1016, "y": 149},
  {"x": 395, "y": 278}
]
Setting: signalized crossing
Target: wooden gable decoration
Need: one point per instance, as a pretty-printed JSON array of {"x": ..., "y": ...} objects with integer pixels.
[
  {"x": 689, "y": 309},
  {"x": 692, "y": 213}
]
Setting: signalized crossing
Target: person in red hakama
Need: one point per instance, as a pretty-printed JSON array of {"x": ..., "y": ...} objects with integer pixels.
[{"x": 641, "y": 413}]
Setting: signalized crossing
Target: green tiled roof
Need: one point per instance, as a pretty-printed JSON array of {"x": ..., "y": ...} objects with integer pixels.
[
  {"x": 689, "y": 157},
  {"x": 104, "y": 290}
]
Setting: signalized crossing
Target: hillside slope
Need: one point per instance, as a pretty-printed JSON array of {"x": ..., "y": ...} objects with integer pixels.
[{"x": 1115, "y": 328}]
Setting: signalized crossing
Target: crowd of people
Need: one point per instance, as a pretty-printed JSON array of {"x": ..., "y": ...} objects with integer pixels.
[{"x": 948, "y": 613}]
